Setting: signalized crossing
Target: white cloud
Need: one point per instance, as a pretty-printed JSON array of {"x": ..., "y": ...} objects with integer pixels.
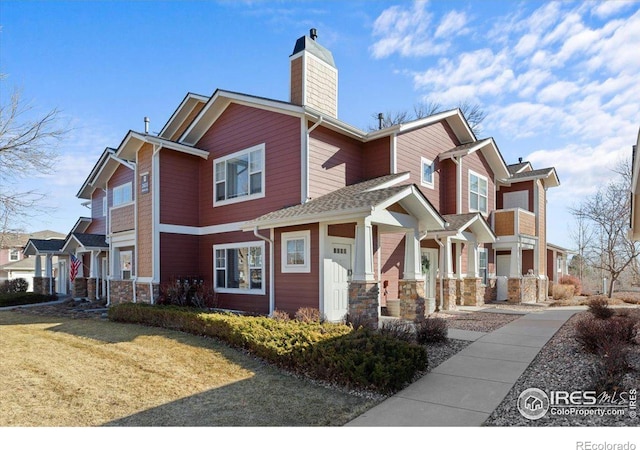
[
  {"x": 557, "y": 92},
  {"x": 609, "y": 8},
  {"x": 453, "y": 23}
]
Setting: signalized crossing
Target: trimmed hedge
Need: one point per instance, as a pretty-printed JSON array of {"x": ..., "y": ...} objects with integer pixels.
[
  {"x": 325, "y": 351},
  {"x": 24, "y": 298}
]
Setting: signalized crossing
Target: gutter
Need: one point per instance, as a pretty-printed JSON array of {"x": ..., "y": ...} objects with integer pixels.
[{"x": 271, "y": 269}]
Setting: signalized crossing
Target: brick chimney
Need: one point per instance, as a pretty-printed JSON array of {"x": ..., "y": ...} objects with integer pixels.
[{"x": 314, "y": 76}]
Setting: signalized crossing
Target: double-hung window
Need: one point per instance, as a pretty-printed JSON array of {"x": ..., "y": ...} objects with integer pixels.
[
  {"x": 126, "y": 265},
  {"x": 295, "y": 251},
  {"x": 478, "y": 193},
  {"x": 239, "y": 176},
  {"x": 122, "y": 194},
  {"x": 14, "y": 254},
  {"x": 427, "y": 173},
  {"x": 483, "y": 260},
  {"x": 239, "y": 268}
]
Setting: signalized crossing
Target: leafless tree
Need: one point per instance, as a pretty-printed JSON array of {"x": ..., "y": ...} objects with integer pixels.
[
  {"x": 582, "y": 236},
  {"x": 27, "y": 149},
  {"x": 607, "y": 213},
  {"x": 472, "y": 112}
]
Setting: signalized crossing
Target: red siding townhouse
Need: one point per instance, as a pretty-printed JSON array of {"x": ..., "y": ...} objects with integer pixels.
[{"x": 280, "y": 205}]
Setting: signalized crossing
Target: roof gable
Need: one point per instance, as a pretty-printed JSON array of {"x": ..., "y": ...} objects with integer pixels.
[{"x": 187, "y": 107}]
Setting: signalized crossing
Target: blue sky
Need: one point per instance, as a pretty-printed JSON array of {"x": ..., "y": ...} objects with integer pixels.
[{"x": 558, "y": 81}]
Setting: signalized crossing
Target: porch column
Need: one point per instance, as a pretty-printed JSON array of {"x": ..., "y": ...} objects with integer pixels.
[
  {"x": 363, "y": 270},
  {"x": 412, "y": 257},
  {"x": 38, "y": 269},
  {"x": 459, "y": 259},
  {"x": 472, "y": 261},
  {"x": 92, "y": 281},
  {"x": 48, "y": 272},
  {"x": 448, "y": 259},
  {"x": 536, "y": 259}
]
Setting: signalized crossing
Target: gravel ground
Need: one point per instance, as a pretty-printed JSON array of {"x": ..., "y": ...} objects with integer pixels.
[
  {"x": 562, "y": 365},
  {"x": 476, "y": 321}
]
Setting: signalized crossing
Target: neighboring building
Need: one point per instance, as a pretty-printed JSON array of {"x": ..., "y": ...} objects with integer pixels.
[
  {"x": 280, "y": 205},
  {"x": 14, "y": 263}
]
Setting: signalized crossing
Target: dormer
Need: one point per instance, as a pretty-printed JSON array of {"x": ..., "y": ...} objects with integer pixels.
[{"x": 314, "y": 76}]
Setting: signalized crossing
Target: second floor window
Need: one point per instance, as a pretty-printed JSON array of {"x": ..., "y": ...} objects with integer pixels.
[
  {"x": 427, "y": 173},
  {"x": 478, "y": 193},
  {"x": 122, "y": 194},
  {"x": 14, "y": 254},
  {"x": 239, "y": 176}
]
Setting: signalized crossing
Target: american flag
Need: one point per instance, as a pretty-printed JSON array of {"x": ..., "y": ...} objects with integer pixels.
[{"x": 75, "y": 266}]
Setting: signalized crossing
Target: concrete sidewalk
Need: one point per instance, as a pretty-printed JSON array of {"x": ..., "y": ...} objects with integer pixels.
[{"x": 465, "y": 389}]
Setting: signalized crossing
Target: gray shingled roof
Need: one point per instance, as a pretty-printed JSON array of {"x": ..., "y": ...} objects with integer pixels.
[
  {"x": 462, "y": 147},
  {"x": 457, "y": 221},
  {"x": 353, "y": 197},
  {"x": 515, "y": 168},
  {"x": 533, "y": 173},
  {"x": 91, "y": 240},
  {"x": 47, "y": 245}
]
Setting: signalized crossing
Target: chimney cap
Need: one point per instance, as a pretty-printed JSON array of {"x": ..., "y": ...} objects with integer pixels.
[
  {"x": 520, "y": 160},
  {"x": 313, "y": 33}
]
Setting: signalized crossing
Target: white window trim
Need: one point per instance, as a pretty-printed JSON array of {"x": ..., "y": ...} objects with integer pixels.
[
  {"x": 119, "y": 188},
  {"x": 482, "y": 177},
  {"x": 296, "y": 268},
  {"x": 104, "y": 206},
  {"x": 17, "y": 253},
  {"x": 244, "y": 198},
  {"x": 428, "y": 184},
  {"x": 247, "y": 244},
  {"x": 130, "y": 253},
  {"x": 486, "y": 269}
]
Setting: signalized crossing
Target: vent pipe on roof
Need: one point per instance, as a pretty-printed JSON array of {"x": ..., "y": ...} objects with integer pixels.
[
  {"x": 380, "y": 120},
  {"x": 313, "y": 33},
  {"x": 146, "y": 125},
  {"x": 520, "y": 160}
]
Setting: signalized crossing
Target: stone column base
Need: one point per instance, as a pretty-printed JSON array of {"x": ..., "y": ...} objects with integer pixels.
[
  {"x": 79, "y": 288},
  {"x": 543, "y": 287},
  {"x": 473, "y": 294},
  {"x": 120, "y": 291},
  {"x": 529, "y": 289},
  {"x": 143, "y": 294},
  {"x": 91, "y": 289},
  {"x": 363, "y": 302},
  {"x": 448, "y": 302},
  {"x": 412, "y": 299},
  {"x": 491, "y": 290},
  {"x": 514, "y": 290},
  {"x": 41, "y": 285}
]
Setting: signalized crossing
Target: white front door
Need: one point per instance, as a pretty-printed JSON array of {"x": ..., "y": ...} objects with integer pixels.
[
  {"x": 63, "y": 277},
  {"x": 430, "y": 256},
  {"x": 340, "y": 273}
]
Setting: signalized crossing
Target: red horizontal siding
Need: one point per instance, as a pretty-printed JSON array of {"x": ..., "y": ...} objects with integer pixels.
[
  {"x": 377, "y": 158},
  {"x": 335, "y": 161},
  {"x": 98, "y": 220},
  {"x": 297, "y": 290},
  {"x": 179, "y": 183},
  {"x": 179, "y": 257},
  {"x": 427, "y": 142},
  {"x": 239, "y": 128}
]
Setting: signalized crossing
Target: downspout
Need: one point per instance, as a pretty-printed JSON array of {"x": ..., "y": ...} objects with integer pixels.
[
  {"x": 306, "y": 158},
  {"x": 271, "y": 269}
]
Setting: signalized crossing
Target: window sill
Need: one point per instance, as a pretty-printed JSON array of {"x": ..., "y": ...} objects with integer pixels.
[{"x": 231, "y": 201}]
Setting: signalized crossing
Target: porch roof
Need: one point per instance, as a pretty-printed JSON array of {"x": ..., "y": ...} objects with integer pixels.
[
  {"x": 350, "y": 202},
  {"x": 85, "y": 242},
  {"x": 43, "y": 246},
  {"x": 458, "y": 223}
]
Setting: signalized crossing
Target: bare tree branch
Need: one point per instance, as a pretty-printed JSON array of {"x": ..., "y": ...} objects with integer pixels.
[{"x": 27, "y": 149}]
